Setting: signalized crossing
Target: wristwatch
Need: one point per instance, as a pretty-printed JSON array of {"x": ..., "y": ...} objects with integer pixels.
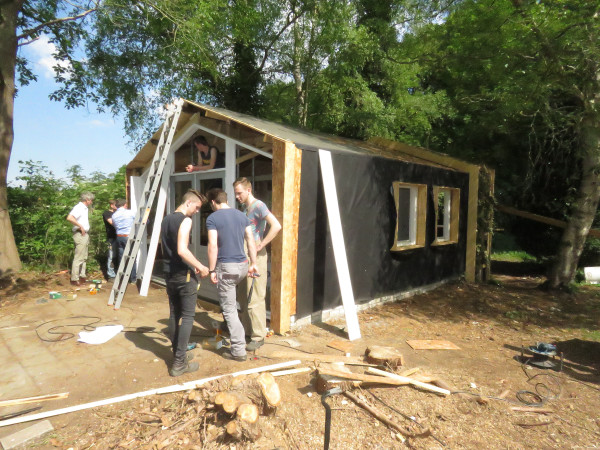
[{"x": 212, "y": 271}]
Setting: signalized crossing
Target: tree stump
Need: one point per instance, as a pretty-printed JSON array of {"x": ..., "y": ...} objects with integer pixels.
[{"x": 384, "y": 356}]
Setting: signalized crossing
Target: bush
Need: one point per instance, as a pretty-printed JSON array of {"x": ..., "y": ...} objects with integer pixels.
[{"x": 38, "y": 208}]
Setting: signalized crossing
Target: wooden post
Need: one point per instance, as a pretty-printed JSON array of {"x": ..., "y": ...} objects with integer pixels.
[{"x": 287, "y": 162}]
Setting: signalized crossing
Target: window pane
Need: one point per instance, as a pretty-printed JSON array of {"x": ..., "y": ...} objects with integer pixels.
[{"x": 404, "y": 208}]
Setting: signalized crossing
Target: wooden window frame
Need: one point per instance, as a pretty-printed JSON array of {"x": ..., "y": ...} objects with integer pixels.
[
  {"x": 451, "y": 215},
  {"x": 418, "y": 211}
]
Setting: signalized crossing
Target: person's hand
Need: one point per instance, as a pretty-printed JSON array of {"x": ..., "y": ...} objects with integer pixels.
[
  {"x": 83, "y": 233},
  {"x": 213, "y": 277},
  {"x": 202, "y": 271},
  {"x": 189, "y": 168},
  {"x": 253, "y": 271},
  {"x": 259, "y": 247}
]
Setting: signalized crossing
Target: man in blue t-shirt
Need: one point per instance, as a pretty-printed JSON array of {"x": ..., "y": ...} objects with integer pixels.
[{"x": 228, "y": 264}]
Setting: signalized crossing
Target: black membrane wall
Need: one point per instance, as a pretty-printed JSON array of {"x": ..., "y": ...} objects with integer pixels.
[{"x": 365, "y": 196}]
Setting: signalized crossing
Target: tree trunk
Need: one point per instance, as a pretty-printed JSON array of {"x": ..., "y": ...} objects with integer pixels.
[
  {"x": 297, "y": 73},
  {"x": 586, "y": 204},
  {"x": 9, "y": 10}
]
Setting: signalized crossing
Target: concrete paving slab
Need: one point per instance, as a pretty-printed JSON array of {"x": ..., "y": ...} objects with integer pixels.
[{"x": 20, "y": 438}]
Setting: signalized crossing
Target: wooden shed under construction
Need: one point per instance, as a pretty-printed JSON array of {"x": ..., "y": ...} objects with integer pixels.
[{"x": 363, "y": 222}]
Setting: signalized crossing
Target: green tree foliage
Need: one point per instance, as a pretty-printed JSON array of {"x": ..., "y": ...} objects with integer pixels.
[
  {"x": 524, "y": 82},
  {"x": 40, "y": 204}
]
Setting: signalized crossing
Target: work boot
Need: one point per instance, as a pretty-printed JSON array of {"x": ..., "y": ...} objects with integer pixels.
[
  {"x": 176, "y": 370},
  {"x": 227, "y": 355},
  {"x": 255, "y": 345}
]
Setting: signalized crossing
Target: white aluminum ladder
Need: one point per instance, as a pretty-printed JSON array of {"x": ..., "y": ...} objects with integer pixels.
[{"x": 143, "y": 211}]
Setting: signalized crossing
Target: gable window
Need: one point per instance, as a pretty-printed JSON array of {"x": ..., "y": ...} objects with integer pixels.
[
  {"x": 446, "y": 201},
  {"x": 411, "y": 202}
]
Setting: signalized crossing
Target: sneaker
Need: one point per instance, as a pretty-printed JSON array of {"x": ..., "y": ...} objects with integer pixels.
[
  {"x": 189, "y": 367},
  {"x": 75, "y": 283},
  {"x": 82, "y": 280},
  {"x": 189, "y": 356},
  {"x": 227, "y": 355},
  {"x": 255, "y": 345}
]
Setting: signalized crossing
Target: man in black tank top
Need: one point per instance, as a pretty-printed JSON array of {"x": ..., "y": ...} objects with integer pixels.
[{"x": 181, "y": 271}]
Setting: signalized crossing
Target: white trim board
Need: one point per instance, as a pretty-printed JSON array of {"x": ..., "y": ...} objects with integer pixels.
[{"x": 339, "y": 249}]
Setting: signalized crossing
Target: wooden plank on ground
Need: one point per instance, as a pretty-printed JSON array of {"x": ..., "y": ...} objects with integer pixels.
[
  {"x": 40, "y": 398},
  {"x": 315, "y": 357},
  {"x": 164, "y": 390},
  {"x": 339, "y": 248},
  {"x": 342, "y": 346},
  {"x": 432, "y": 344}
]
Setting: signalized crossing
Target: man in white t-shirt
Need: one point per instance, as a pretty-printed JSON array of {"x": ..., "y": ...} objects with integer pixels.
[{"x": 79, "y": 217}]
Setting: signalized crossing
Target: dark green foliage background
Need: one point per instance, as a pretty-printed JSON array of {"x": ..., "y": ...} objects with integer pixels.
[{"x": 39, "y": 204}]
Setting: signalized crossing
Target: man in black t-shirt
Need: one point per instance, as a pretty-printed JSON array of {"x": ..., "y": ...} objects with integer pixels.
[
  {"x": 181, "y": 270},
  {"x": 111, "y": 238}
]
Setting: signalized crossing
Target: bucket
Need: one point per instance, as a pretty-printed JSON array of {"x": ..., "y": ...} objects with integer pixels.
[{"x": 592, "y": 274}]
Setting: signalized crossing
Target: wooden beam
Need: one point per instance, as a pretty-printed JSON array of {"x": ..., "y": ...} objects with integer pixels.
[
  {"x": 547, "y": 220},
  {"x": 241, "y": 159},
  {"x": 41, "y": 398},
  {"x": 164, "y": 390},
  {"x": 287, "y": 164}
]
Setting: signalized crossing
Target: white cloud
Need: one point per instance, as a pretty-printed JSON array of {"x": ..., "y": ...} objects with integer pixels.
[
  {"x": 101, "y": 123},
  {"x": 42, "y": 54}
]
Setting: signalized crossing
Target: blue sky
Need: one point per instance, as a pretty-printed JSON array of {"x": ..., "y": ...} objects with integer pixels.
[{"x": 48, "y": 132}]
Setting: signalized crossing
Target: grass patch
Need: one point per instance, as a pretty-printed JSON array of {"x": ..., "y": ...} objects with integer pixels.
[
  {"x": 513, "y": 256},
  {"x": 592, "y": 335}
]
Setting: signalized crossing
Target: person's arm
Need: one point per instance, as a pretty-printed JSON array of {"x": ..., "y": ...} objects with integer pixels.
[
  {"x": 213, "y": 160},
  {"x": 109, "y": 220},
  {"x": 73, "y": 220},
  {"x": 213, "y": 251},
  {"x": 274, "y": 228},
  {"x": 249, "y": 236},
  {"x": 183, "y": 240}
]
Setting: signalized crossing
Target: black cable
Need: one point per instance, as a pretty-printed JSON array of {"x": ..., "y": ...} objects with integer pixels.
[{"x": 66, "y": 335}]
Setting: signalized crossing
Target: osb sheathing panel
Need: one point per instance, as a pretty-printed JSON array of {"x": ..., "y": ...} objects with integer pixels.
[{"x": 287, "y": 161}]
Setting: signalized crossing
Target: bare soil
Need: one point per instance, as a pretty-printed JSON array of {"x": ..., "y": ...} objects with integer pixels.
[{"x": 489, "y": 322}]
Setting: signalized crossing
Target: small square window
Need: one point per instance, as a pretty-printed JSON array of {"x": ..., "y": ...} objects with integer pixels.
[
  {"x": 411, "y": 202},
  {"x": 446, "y": 202}
]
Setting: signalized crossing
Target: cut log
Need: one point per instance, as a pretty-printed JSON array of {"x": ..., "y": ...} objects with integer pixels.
[
  {"x": 384, "y": 356},
  {"x": 231, "y": 401},
  {"x": 220, "y": 398},
  {"x": 270, "y": 389},
  {"x": 248, "y": 412},
  {"x": 240, "y": 430}
]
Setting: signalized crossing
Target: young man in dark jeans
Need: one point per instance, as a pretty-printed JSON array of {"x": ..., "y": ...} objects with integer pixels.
[
  {"x": 111, "y": 238},
  {"x": 181, "y": 271}
]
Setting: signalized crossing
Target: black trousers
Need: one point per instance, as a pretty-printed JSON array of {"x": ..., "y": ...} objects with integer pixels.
[{"x": 182, "y": 305}]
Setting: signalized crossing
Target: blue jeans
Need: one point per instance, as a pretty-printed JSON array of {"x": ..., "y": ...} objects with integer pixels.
[
  {"x": 121, "y": 243},
  {"x": 110, "y": 260},
  {"x": 182, "y": 306}
]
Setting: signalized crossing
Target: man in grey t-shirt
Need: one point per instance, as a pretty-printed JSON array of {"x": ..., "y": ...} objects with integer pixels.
[{"x": 228, "y": 264}]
